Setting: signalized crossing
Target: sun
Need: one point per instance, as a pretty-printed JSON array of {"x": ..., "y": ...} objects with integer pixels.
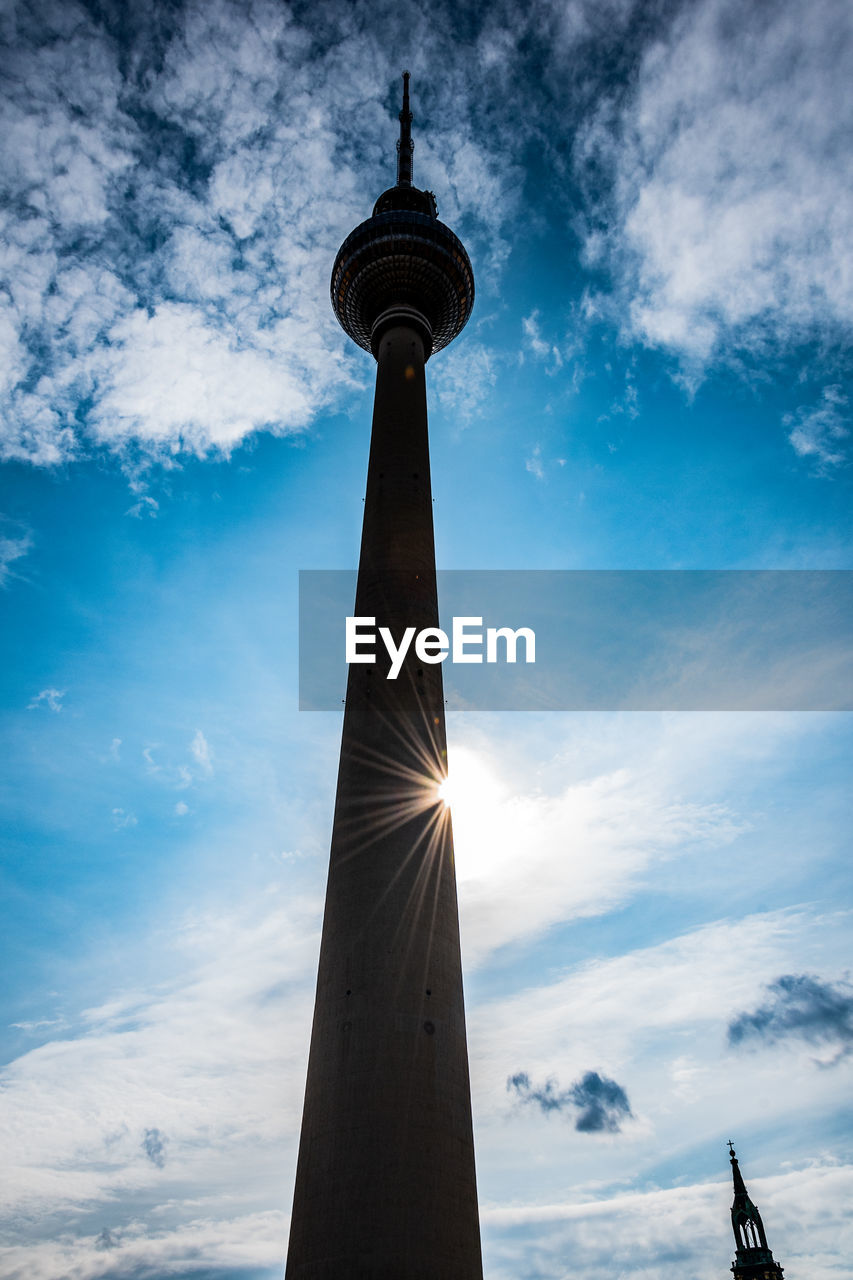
[
  {"x": 476, "y": 799},
  {"x": 469, "y": 784}
]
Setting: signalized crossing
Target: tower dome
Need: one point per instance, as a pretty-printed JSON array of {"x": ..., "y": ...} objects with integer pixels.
[{"x": 402, "y": 265}]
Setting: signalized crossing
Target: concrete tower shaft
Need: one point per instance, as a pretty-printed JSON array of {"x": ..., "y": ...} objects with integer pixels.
[{"x": 385, "y": 1183}]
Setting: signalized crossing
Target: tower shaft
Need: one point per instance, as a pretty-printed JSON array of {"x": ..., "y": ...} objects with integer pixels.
[{"x": 385, "y": 1184}]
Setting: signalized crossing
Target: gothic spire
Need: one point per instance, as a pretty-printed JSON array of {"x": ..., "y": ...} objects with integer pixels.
[
  {"x": 753, "y": 1258},
  {"x": 737, "y": 1176}
]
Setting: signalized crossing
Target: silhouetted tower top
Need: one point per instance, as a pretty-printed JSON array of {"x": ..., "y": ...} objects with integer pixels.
[
  {"x": 403, "y": 266},
  {"x": 753, "y": 1258}
]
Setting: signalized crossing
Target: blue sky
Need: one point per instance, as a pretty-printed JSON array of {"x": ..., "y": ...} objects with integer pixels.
[{"x": 655, "y": 907}]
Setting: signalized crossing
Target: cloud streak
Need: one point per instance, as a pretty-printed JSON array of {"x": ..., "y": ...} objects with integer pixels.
[
  {"x": 79, "y": 1106},
  {"x": 200, "y": 749},
  {"x": 50, "y": 698},
  {"x": 649, "y": 1235},
  {"x": 588, "y": 845},
  {"x": 13, "y": 547}
]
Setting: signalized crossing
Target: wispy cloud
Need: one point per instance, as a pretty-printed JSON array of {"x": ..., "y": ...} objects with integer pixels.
[
  {"x": 42, "y": 1024},
  {"x": 200, "y": 749},
  {"x": 540, "y": 348},
  {"x": 656, "y": 1016},
  {"x": 463, "y": 381},
  {"x": 122, "y": 819},
  {"x": 13, "y": 547},
  {"x": 801, "y": 1007},
  {"x": 79, "y": 1108},
  {"x": 534, "y": 464},
  {"x": 652, "y": 1234},
  {"x": 165, "y": 766},
  {"x": 144, "y": 506},
  {"x": 820, "y": 432},
  {"x": 50, "y": 698},
  {"x": 225, "y": 1244},
  {"x": 600, "y": 1104},
  {"x": 587, "y": 844}
]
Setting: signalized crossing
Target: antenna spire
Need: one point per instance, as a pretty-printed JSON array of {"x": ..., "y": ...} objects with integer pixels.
[{"x": 405, "y": 146}]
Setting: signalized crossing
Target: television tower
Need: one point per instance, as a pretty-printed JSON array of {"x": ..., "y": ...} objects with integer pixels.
[{"x": 385, "y": 1181}]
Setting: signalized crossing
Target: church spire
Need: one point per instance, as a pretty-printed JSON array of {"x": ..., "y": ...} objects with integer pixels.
[
  {"x": 737, "y": 1178},
  {"x": 405, "y": 146},
  {"x": 753, "y": 1258}
]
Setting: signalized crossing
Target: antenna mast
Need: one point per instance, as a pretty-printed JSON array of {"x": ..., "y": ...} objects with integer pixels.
[{"x": 405, "y": 146}]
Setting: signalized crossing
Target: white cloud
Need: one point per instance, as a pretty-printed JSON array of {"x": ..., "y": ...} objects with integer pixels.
[
  {"x": 144, "y": 506},
  {"x": 538, "y": 346},
  {"x": 462, "y": 380},
  {"x": 819, "y": 433},
  {"x": 732, "y": 222},
  {"x": 646, "y": 1235},
  {"x": 622, "y": 803},
  {"x": 184, "y": 303},
  {"x": 175, "y": 775},
  {"x": 533, "y": 464},
  {"x": 173, "y": 379},
  {"x": 681, "y": 991},
  {"x": 41, "y": 1024},
  {"x": 173, "y": 348},
  {"x": 200, "y": 749},
  {"x": 224, "y": 1103},
  {"x": 50, "y": 698},
  {"x": 213, "y": 1056},
  {"x": 122, "y": 819},
  {"x": 480, "y": 187},
  {"x": 224, "y": 1239},
  {"x": 13, "y": 547},
  {"x": 654, "y": 1019},
  {"x": 586, "y": 846}
]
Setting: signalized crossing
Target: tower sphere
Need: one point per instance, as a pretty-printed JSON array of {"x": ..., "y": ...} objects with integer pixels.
[{"x": 402, "y": 265}]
